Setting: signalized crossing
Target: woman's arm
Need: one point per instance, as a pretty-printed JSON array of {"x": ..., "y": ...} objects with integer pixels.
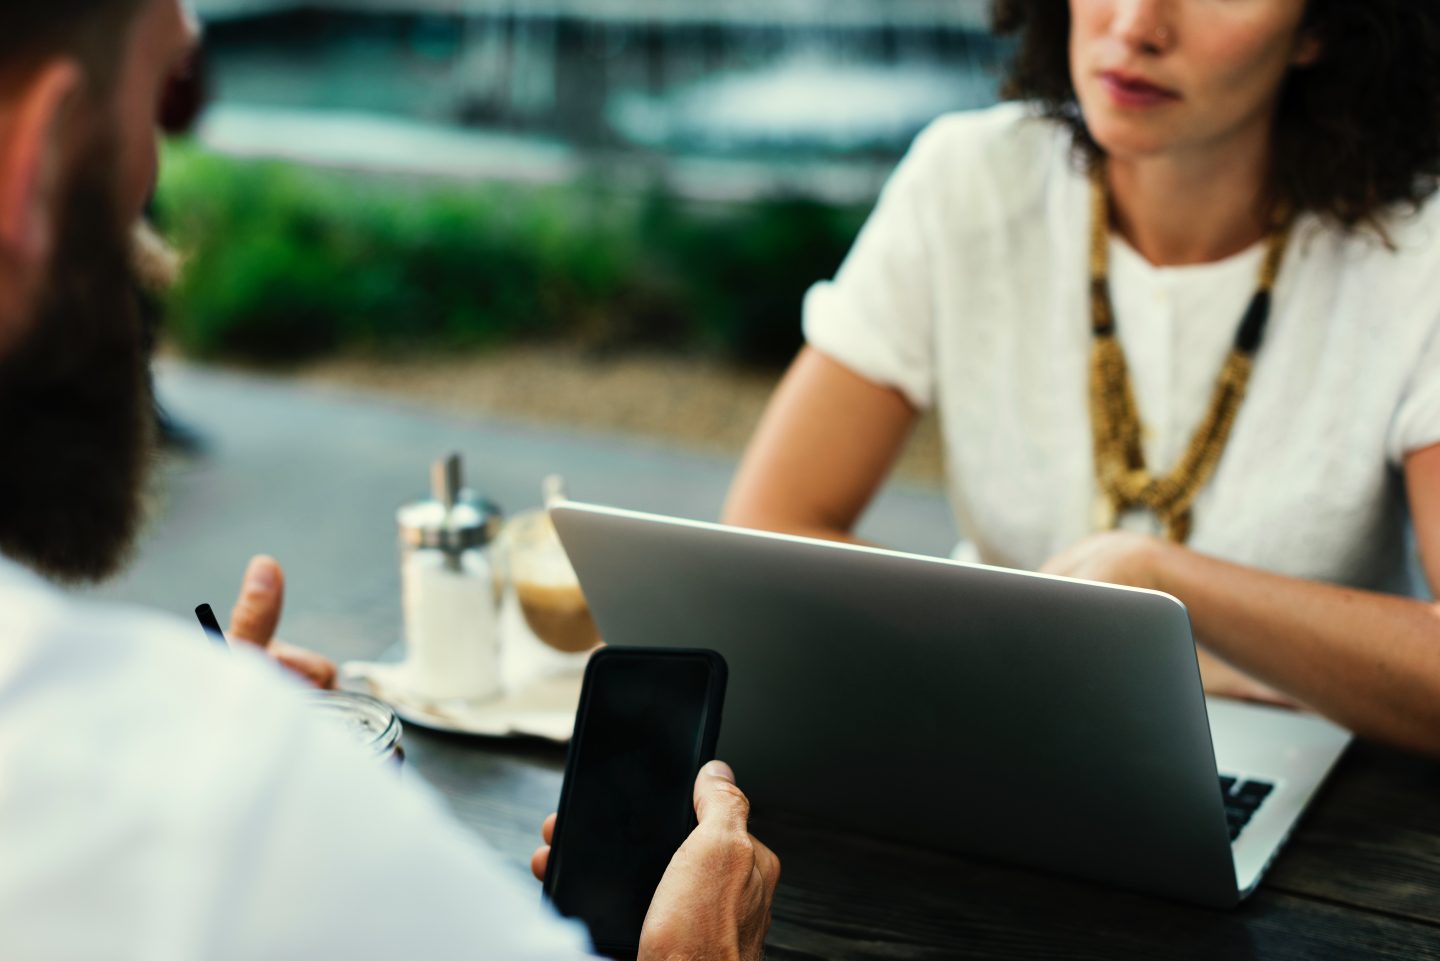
[
  {"x": 826, "y": 442},
  {"x": 1368, "y": 661}
]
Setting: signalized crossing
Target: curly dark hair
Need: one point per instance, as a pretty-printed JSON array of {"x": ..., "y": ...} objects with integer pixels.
[{"x": 1357, "y": 133}]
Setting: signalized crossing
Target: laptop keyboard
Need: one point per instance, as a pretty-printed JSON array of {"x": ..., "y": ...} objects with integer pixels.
[{"x": 1242, "y": 799}]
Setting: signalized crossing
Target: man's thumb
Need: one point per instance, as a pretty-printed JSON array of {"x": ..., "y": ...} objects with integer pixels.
[
  {"x": 262, "y": 595},
  {"x": 718, "y": 800}
]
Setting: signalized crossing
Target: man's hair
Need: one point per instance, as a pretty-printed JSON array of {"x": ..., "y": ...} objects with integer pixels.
[
  {"x": 1356, "y": 134},
  {"x": 92, "y": 32}
]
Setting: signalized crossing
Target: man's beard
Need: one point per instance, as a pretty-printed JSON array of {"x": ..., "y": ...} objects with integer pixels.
[{"x": 75, "y": 399}]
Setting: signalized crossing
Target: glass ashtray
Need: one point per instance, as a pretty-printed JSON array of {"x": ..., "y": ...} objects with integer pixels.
[{"x": 370, "y": 723}]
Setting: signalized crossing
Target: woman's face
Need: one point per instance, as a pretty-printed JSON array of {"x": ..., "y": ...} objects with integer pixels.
[{"x": 1175, "y": 77}]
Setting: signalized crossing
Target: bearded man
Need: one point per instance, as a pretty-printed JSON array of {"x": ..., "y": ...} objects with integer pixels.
[{"x": 158, "y": 798}]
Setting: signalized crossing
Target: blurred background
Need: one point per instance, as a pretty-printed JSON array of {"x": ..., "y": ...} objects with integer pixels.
[
  {"x": 555, "y": 236},
  {"x": 601, "y": 213}
]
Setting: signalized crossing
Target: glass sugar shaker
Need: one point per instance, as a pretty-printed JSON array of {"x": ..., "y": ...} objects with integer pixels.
[{"x": 452, "y": 639}]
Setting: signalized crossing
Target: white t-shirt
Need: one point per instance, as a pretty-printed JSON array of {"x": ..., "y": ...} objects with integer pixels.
[
  {"x": 161, "y": 800},
  {"x": 968, "y": 292}
]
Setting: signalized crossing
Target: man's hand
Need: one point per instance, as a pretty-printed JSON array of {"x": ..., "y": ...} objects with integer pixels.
[
  {"x": 257, "y": 615},
  {"x": 714, "y": 900}
]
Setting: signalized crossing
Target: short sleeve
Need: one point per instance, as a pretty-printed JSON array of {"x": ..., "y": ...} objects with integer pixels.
[
  {"x": 876, "y": 317},
  {"x": 1416, "y": 424}
]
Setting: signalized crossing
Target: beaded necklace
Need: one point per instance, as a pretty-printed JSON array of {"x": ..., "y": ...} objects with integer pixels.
[{"x": 1124, "y": 480}]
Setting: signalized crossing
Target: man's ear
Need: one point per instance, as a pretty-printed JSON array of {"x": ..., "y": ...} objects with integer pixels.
[{"x": 32, "y": 140}]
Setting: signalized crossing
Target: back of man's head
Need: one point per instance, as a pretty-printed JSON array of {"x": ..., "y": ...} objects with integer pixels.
[{"x": 78, "y": 83}]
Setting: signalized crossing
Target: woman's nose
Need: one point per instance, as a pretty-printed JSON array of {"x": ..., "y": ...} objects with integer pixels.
[{"x": 1144, "y": 25}]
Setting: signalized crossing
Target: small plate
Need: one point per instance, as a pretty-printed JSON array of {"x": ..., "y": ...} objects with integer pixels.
[{"x": 544, "y": 707}]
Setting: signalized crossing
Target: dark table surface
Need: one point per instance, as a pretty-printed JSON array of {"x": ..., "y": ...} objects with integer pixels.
[{"x": 1360, "y": 878}]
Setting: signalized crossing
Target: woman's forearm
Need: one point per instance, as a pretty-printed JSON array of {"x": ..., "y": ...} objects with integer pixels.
[{"x": 1369, "y": 661}]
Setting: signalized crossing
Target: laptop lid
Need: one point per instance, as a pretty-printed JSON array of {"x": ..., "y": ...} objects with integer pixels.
[{"x": 1049, "y": 722}]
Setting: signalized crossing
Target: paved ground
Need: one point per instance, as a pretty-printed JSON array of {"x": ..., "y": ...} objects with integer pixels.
[
  {"x": 313, "y": 475},
  {"x": 694, "y": 403}
]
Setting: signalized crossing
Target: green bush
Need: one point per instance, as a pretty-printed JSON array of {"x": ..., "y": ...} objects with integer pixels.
[{"x": 285, "y": 262}]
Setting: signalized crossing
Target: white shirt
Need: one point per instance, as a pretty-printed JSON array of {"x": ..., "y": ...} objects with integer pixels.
[
  {"x": 161, "y": 800},
  {"x": 968, "y": 292}
]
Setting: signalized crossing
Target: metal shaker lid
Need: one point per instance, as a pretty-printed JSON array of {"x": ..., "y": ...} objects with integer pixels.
[{"x": 454, "y": 518}]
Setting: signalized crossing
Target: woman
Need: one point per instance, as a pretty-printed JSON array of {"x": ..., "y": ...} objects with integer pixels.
[{"x": 1180, "y": 318}]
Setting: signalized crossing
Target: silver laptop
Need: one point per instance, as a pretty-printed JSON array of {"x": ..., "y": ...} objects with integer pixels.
[{"x": 1039, "y": 720}]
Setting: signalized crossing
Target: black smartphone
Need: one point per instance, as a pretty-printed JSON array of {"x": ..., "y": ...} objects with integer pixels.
[{"x": 648, "y": 721}]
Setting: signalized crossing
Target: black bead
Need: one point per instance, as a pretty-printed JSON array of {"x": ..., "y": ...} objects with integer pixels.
[{"x": 1252, "y": 328}]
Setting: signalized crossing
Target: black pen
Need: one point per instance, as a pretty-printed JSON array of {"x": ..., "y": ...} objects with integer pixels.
[{"x": 212, "y": 627}]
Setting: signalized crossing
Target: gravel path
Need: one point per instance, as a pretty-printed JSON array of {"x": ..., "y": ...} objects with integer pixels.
[{"x": 698, "y": 404}]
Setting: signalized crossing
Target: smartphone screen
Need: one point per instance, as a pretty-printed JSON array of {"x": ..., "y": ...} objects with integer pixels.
[{"x": 648, "y": 720}]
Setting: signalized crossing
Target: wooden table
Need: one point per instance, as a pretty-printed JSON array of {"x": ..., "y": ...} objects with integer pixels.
[{"x": 1361, "y": 878}]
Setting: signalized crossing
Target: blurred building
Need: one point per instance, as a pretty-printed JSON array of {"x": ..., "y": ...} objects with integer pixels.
[{"x": 754, "y": 79}]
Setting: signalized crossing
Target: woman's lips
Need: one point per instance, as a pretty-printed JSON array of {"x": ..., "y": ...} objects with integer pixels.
[{"x": 1130, "y": 91}]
